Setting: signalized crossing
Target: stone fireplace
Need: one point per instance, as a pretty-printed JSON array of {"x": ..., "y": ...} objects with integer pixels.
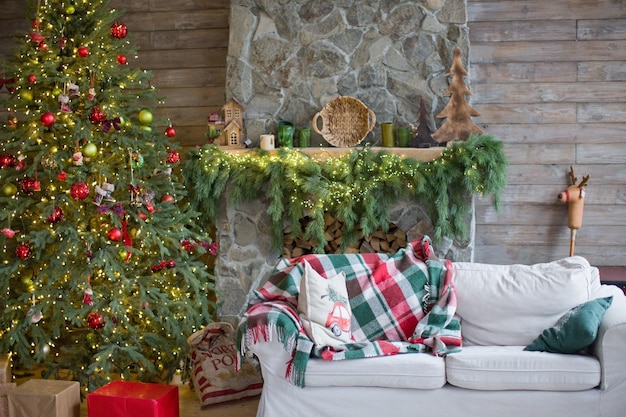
[
  {"x": 287, "y": 59},
  {"x": 246, "y": 255}
]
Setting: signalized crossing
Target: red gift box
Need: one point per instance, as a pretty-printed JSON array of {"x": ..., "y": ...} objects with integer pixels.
[{"x": 132, "y": 399}]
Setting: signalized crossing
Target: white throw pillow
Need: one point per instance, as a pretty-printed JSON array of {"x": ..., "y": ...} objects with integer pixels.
[
  {"x": 509, "y": 305},
  {"x": 324, "y": 308}
]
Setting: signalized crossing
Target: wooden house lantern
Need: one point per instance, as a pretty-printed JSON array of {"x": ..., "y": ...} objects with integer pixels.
[{"x": 228, "y": 131}]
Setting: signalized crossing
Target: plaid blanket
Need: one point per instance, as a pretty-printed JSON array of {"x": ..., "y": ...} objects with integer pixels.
[{"x": 401, "y": 303}]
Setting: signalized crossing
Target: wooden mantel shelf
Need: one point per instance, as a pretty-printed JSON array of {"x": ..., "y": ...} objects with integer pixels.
[{"x": 322, "y": 153}]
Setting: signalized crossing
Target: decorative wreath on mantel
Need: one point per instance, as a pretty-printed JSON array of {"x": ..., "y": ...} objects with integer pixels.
[{"x": 358, "y": 187}]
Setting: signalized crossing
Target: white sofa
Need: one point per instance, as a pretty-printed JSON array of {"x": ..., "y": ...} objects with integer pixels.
[{"x": 502, "y": 309}]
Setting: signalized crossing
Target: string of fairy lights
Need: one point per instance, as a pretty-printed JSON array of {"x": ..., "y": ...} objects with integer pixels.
[{"x": 359, "y": 185}]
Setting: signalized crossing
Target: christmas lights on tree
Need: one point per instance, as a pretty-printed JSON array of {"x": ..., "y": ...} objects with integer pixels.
[{"x": 101, "y": 262}]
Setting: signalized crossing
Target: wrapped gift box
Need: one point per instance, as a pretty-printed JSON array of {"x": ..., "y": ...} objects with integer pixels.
[
  {"x": 5, "y": 368},
  {"x": 132, "y": 399},
  {"x": 45, "y": 398},
  {"x": 4, "y": 400}
]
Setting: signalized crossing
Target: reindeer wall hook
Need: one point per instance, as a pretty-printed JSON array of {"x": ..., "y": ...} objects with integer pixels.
[{"x": 574, "y": 196}]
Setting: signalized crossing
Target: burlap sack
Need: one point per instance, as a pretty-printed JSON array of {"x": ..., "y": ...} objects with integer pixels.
[{"x": 213, "y": 356}]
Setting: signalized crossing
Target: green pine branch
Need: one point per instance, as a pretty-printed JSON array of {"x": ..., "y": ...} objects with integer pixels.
[{"x": 358, "y": 188}]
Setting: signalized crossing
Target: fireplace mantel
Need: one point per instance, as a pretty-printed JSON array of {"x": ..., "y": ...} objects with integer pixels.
[{"x": 322, "y": 153}]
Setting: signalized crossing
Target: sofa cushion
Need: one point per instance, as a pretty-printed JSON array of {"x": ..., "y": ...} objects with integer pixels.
[
  {"x": 510, "y": 305},
  {"x": 413, "y": 370},
  {"x": 575, "y": 330},
  {"x": 513, "y": 368},
  {"x": 324, "y": 308}
]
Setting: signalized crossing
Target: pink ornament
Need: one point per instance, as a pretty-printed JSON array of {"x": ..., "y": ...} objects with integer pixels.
[
  {"x": 79, "y": 190},
  {"x": 35, "y": 316},
  {"x": 9, "y": 233}
]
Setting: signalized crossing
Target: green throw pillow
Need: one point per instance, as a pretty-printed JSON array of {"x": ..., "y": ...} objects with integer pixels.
[{"x": 575, "y": 330}]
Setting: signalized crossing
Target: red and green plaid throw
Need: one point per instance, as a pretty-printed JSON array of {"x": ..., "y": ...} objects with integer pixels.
[{"x": 400, "y": 303}]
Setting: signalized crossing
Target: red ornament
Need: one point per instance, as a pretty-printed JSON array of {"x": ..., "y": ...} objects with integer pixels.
[
  {"x": 7, "y": 160},
  {"x": 173, "y": 157},
  {"x": 30, "y": 185},
  {"x": 143, "y": 216},
  {"x": 56, "y": 216},
  {"x": 62, "y": 176},
  {"x": 83, "y": 51},
  {"x": 161, "y": 265},
  {"x": 115, "y": 234},
  {"x": 48, "y": 118},
  {"x": 170, "y": 132},
  {"x": 121, "y": 59},
  {"x": 79, "y": 190},
  {"x": 23, "y": 251},
  {"x": 96, "y": 320},
  {"x": 119, "y": 30},
  {"x": 32, "y": 78},
  {"x": 167, "y": 198},
  {"x": 188, "y": 245},
  {"x": 96, "y": 116}
]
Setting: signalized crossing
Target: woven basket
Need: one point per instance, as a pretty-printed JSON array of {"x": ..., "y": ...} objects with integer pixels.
[{"x": 345, "y": 121}]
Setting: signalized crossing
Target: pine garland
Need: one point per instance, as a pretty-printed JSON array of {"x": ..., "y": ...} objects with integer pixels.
[{"x": 357, "y": 188}]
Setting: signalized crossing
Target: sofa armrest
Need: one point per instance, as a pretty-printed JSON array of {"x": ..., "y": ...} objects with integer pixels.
[
  {"x": 274, "y": 357},
  {"x": 610, "y": 344}
]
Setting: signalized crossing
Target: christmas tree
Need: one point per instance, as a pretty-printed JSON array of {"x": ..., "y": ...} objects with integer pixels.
[
  {"x": 102, "y": 262},
  {"x": 458, "y": 112}
]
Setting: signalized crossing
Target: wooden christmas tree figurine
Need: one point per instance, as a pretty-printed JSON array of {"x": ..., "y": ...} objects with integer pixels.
[
  {"x": 458, "y": 124},
  {"x": 422, "y": 135}
]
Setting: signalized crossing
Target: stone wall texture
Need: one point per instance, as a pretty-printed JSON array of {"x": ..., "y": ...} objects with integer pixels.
[{"x": 287, "y": 59}]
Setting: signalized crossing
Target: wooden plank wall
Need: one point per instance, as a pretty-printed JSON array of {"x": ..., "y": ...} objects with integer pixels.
[
  {"x": 549, "y": 78},
  {"x": 183, "y": 42}
]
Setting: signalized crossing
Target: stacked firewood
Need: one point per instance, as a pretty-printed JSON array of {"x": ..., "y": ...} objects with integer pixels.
[{"x": 380, "y": 241}]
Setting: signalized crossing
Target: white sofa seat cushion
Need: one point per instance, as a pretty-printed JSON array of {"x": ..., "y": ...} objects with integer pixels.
[
  {"x": 510, "y": 305},
  {"x": 411, "y": 370},
  {"x": 512, "y": 368}
]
